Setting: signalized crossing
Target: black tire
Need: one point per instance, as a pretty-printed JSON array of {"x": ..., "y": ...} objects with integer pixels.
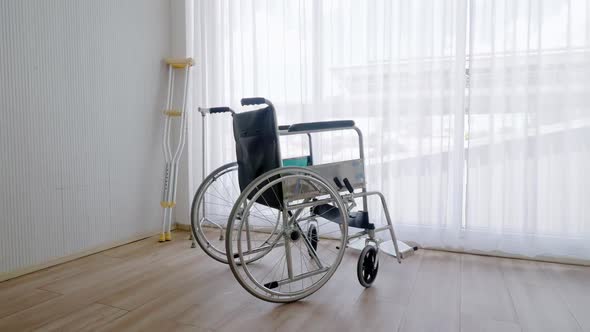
[
  {"x": 367, "y": 266},
  {"x": 312, "y": 235}
]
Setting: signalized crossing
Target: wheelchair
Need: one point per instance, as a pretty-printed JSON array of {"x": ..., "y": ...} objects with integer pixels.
[{"x": 282, "y": 224}]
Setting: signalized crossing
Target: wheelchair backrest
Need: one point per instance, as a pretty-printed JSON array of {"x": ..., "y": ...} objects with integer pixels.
[{"x": 258, "y": 150}]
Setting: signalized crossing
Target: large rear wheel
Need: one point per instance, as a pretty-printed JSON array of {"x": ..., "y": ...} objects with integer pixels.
[{"x": 296, "y": 251}]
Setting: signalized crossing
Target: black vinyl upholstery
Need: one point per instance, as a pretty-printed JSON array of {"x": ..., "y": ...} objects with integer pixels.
[
  {"x": 358, "y": 219},
  {"x": 258, "y": 151},
  {"x": 323, "y": 125}
]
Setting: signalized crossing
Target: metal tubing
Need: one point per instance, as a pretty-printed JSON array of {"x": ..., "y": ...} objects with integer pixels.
[
  {"x": 276, "y": 244},
  {"x": 310, "y": 204},
  {"x": 310, "y": 148},
  {"x": 313, "y": 253},
  {"x": 387, "y": 217},
  {"x": 357, "y": 235},
  {"x": 203, "y": 156},
  {"x": 362, "y": 157},
  {"x": 361, "y": 148},
  {"x": 302, "y": 276},
  {"x": 248, "y": 238},
  {"x": 287, "y": 246}
]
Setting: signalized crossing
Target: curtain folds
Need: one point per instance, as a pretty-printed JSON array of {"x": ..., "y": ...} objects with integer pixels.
[
  {"x": 475, "y": 113},
  {"x": 529, "y": 134}
]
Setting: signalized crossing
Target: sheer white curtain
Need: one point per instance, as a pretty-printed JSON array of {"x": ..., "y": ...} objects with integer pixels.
[
  {"x": 528, "y": 185},
  {"x": 398, "y": 68}
]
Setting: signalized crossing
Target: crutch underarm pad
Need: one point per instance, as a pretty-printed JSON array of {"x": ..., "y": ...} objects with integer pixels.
[{"x": 340, "y": 124}]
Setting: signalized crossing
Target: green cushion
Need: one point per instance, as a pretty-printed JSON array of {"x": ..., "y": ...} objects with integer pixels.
[{"x": 297, "y": 161}]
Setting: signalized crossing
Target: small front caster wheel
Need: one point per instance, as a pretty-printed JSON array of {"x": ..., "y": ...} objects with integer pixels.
[{"x": 367, "y": 266}]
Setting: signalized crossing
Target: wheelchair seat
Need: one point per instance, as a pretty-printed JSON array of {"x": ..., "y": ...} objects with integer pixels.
[{"x": 358, "y": 219}]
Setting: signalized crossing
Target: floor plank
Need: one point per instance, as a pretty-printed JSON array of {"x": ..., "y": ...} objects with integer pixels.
[
  {"x": 395, "y": 281},
  {"x": 131, "y": 249},
  {"x": 53, "y": 274},
  {"x": 86, "y": 289},
  {"x": 478, "y": 324},
  {"x": 573, "y": 284},
  {"x": 151, "y": 286},
  {"x": 24, "y": 300},
  {"x": 484, "y": 292},
  {"x": 435, "y": 299},
  {"x": 170, "y": 306},
  {"x": 141, "y": 291},
  {"x": 146, "y": 260},
  {"x": 86, "y": 319},
  {"x": 538, "y": 304}
]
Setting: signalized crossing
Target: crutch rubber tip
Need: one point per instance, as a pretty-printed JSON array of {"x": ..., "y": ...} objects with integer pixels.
[
  {"x": 168, "y": 236},
  {"x": 162, "y": 238}
]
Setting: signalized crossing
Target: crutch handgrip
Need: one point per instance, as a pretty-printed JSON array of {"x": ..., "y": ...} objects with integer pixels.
[{"x": 179, "y": 63}]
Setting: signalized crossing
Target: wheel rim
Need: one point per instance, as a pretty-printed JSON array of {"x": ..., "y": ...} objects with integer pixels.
[{"x": 269, "y": 278}]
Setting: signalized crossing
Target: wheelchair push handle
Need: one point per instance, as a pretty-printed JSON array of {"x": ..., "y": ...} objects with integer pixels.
[
  {"x": 215, "y": 110},
  {"x": 254, "y": 101}
]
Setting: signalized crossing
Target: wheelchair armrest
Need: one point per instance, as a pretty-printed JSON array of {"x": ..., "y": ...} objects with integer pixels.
[
  {"x": 323, "y": 125},
  {"x": 284, "y": 127}
]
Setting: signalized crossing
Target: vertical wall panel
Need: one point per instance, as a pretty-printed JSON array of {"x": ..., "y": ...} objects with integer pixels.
[{"x": 81, "y": 86}]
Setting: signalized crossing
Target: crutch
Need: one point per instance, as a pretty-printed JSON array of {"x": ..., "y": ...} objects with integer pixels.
[{"x": 168, "y": 201}]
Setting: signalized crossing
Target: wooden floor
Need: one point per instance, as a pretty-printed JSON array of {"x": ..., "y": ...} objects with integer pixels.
[{"x": 148, "y": 286}]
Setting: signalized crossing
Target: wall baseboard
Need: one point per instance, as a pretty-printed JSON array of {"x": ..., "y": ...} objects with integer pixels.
[
  {"x": 182, "y": 227},
  {"x": 34, "y": 268}
]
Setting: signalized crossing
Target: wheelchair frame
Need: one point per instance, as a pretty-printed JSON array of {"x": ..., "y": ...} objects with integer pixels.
[
  {"x": 351, "y": 196},
  {"x": 339, "y": 171}
]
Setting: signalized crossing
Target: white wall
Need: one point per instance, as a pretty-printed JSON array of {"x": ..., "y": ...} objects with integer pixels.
[{"x": 81, "y": 89}]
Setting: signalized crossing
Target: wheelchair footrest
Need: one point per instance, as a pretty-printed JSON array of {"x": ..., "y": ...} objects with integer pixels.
[
  {"x": 359, "y": 219},
  {"x": 386, "y": 247}
]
